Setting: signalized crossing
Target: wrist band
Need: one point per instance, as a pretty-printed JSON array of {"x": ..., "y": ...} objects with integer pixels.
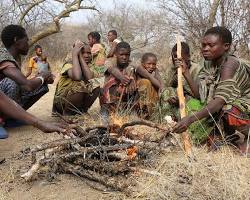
[{"x": 41, "y": 78}]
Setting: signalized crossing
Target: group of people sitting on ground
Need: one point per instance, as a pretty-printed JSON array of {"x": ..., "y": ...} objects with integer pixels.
[{"x": 217, "y": 93}]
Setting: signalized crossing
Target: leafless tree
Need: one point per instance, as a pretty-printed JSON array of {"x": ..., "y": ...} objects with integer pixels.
[
  {"x": 193, "y": 18},
  {"x": 43, "y": 17}
]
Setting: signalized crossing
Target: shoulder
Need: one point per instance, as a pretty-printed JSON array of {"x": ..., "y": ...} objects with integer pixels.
[
  {"x": 230, "y": 64},
  {"x": 111, "y": 62},
  {"x": 34, "y": 59},
  {"x": 117, "y": 41},
  {"x": 229, "y": 67},
  {"x": 7, "y": 64},
  {"x": 65, "y": 68},
  {"x": 231, "y": 61},
  {"x": 5, "y": 56}
]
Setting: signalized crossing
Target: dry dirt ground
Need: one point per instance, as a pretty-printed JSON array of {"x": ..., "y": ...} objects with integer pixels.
[
  {"x": 13, "y": 187},
  {"x": 221, "y": 175}
]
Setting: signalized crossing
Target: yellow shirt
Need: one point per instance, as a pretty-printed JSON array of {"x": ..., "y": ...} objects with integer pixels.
[{"x": 33, "y": 66}]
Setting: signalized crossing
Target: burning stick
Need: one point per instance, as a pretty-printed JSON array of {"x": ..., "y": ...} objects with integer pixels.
[{"x": 180, "y": 93}]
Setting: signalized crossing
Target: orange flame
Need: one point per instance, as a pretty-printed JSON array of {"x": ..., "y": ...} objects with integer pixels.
[{"x": 132, "y": 152}]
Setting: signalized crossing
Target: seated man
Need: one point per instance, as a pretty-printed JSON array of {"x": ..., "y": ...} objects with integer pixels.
[
  {"x": 77, "y": 88},
  {"x": 169, "y": 98},
  {"x": 12, "y": 82},
  {"x": 119, "y": 82},
  {"x": 8, "y": 108},
  {"x": 113, "y": 41},
  {"x": 149, "y": 84},
  {"x": 224, "y": 87}
]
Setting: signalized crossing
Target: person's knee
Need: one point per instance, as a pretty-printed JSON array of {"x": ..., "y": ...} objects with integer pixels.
[
  {"x": 10, "y": 88},
  {"x": 145, "y": 83}
]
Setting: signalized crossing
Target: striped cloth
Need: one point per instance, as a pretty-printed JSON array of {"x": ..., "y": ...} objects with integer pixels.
[{"x": 235, "y": 91}]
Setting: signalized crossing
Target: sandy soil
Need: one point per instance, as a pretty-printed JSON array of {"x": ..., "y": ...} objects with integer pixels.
[
  {"x": 13, "y": 187},
  {"x": 221, "y": 175}
]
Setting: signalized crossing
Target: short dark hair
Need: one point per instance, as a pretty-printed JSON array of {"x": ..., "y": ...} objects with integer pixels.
[
  {"x": 224, "y": 34},
  {"x": 184, "y": 48},
  {"x": 146, "y": 56},
  {"x": 114, "y": 32},
  {"x": 95, "y": 35},
  {"x": 10, "y": 32},
  {"x": 38, "y": 47},
  {"x": 122, "y": 45}
]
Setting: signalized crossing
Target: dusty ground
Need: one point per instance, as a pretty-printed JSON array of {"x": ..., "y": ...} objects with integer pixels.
[
  {"x": 221, "y": 175},
  {"x": 13, "y": 187}
]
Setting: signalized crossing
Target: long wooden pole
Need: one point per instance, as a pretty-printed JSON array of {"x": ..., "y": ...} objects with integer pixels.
[{"x": 185, "y": 136}]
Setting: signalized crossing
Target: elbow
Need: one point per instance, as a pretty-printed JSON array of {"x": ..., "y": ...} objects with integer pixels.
[
  {"x": 76, "y": 77},
  {"x": 28, "y": 87}
]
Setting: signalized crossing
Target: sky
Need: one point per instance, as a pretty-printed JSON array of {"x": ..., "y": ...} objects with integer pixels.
[{"x": 82, "y": 15}]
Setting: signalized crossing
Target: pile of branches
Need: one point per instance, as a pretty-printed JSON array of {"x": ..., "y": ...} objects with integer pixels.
[{"x": 103, "y": 154}]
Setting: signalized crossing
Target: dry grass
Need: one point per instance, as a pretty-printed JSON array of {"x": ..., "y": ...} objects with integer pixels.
[{"x": 220, "y": 175}]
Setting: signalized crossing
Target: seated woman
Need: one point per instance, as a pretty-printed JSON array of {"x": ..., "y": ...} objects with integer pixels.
[
  {"x": 12, "y": 82},
  {"x": 77, "y": 88},
  {"x": 224, "y": 88},
  {"x": 149, "y": 84},
  {"x": 8, "y": 108}
]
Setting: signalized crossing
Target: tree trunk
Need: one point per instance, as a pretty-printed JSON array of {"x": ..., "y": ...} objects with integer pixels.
[{"x": 213, "y": 12}]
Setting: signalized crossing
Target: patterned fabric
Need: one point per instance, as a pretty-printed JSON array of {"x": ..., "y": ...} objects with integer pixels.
[
  {"x": 6, "y": 56},
  {"x": 235, "y": 117},
  {"x": 148, "y": 95},
  {"x": 6, "y": 60},
  {"x": 170, "y": 81},
  {"x": 170, "y": 77},
  {"x": 11, "y": 89},
  {"x": 99, "y": 54},
  {"x": 66, "y": 86},
  {"x": 235, "y": 91},
  {"x": 112, "y": 87},
  {"x": 43, "y": 66}
]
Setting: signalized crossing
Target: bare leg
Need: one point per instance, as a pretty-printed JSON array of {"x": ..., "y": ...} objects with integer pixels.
[{"x": 80, "y": 101}]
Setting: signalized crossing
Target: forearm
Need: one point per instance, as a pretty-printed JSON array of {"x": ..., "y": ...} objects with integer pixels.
[
  {"x": 76, "y": 74},
  {"x": 11, "y": 109},
  {"x": 112, "y": 51},
  {"x": 28, "y": 72},
  {"x": 145, "y": 74},
  {"x": 213, "y": 106},
  {"x": 87, "y": 74},
  {"x": 192, "y": 84},
  {"x": 158, "y": 77},
  {"x": 116, "y": 73},
  {"x": 17, "y": 76}
]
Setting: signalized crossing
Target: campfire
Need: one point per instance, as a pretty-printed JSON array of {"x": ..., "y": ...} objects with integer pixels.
[{"x": 103, "y": 154}]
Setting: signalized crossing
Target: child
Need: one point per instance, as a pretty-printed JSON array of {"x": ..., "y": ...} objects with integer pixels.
[
  {"x": 119, "y": 79},
  {"x": 149, "y": 83},
  {"x": 43, "y": 65}
]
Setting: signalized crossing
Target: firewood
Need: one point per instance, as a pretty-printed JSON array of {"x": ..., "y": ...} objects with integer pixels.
[
  {"x": 145, "y": 123},
  {"x": 112, "y": 168},
  {"x": 114, "y": 183},
  {"x": 121, "y": 155},
  {"x": 60, "y": 142},
  {"x": 88, "y": 129},
  {"x": 35, "y": 167},
  {"x": 83, "y": 152}
]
